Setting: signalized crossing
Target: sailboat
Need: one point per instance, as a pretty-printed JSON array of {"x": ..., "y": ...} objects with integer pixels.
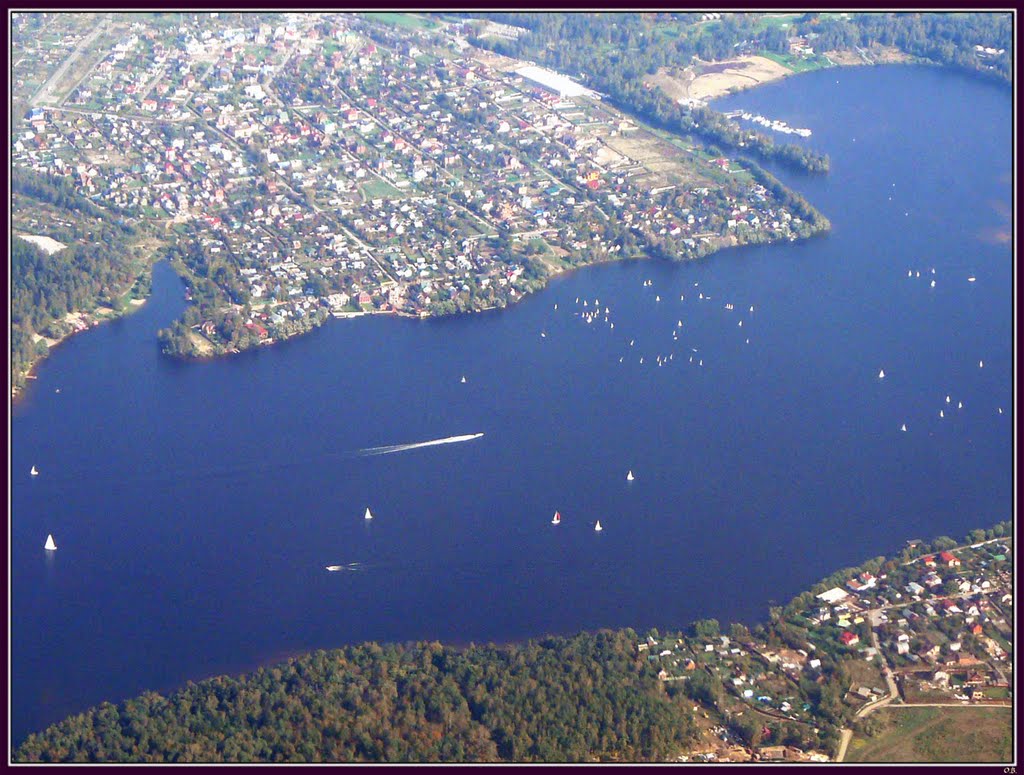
[
  {"x": 367, "y": 515},
  {"x": 903, "y": 427},
  {"x": 629, "y": 476},
  {"x": 941, "y": 414},
  {"x": 333, "y": 568},
  {"x": 50, "y": 545},
  {"x": 598, "y": 527},
  {"x": 34, "y": 472},
  {"x": 463, "y": 379},
  {"x": 557, "y": 519},
  {"x": 981, "y": 364},
  {"x": 881, "y": 373},
  {"x": 959, "y": 404}
]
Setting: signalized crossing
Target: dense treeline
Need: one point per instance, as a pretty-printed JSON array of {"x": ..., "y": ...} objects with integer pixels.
[
  {"x": 615, "y": 51},
  {"x": 583, "y": 698},
  {"x": 96, "y": 269},
  {"x": 944, "y": 38}
]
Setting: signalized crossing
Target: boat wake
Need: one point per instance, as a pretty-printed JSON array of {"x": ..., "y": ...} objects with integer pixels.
[
  {"x": 406, "y": 447},
  {"x": 352, "y": 566}
]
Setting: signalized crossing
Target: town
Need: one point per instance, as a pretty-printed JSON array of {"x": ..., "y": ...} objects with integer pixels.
[
  {"x": 296, "y": 166},
  {"x": 924, "y": 629}
]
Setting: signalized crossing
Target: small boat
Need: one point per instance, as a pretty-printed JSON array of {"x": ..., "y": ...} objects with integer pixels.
[
  {"x": 701, "y": 362},
  {"x": 543, "y": 335},
  {"x": 367, "y": 515},
  {"x": 910, "y": 273},
  {"x": 959, "y": 404},
  {"x": 556, "y": 306},
  {"x": 701, "y": 295},
  {"x": 741, "y": 324},
  {"x": 1000, "y": 409},
  {"x": 933, "y": 284},
  {"x": 881, "y": 373},
  {"x": 751, "y": 307},
  {"x": 679, "y": 324},
  {"x": 50, "y": 545},
  {"x": 34, "y": 472},
  {"x": 557, "y": 519},
  {"x": 631, "y": 342},
  {"x": 971, "y": 279},
  {"x": 947, "y": 399},
  {"x": 941, "y": 414},
  {"x": 903, "y": 427},
  {"x": 334, "y": 568},
  {"x": 598, "y": 527},
  {"x": 463, "y": 378},
  {"x": 620, "y": 360},
  {"x": 657, "y": 298},
  {"x": 641, "y": 359},
  {"x": 612, "y": 325},
  {"x": 629, "y": 476},
  {"x": 917, "y": 274},
  {"x": 981, "y": 364}
]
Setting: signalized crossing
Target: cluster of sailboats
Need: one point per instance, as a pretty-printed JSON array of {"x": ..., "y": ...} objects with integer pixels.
[
  {"x": 557, "y": 520},
  {"x": 949, "y": 399}
]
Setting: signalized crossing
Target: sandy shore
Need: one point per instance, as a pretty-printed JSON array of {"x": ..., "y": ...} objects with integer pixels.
[{"x": 708, "y": 80}]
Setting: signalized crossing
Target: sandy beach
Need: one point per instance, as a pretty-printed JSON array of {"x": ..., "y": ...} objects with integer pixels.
[{"x": 708, "y": 80}]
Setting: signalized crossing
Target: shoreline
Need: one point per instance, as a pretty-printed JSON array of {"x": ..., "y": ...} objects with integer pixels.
[{"x": 91, "y": 320}]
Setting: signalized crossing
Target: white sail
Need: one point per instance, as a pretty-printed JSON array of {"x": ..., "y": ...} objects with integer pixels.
[
  {"x": 629, "y": 476},
  {"x": 463, "y": 378},
  {"x": 333, "y": 568},
  {"x": 881, "y": 373},
  {"x": 598, "y": 527},
  {"x": 367, "y": 515},
  {"x": 50, "y": 545},
  {"x": 557, "y": 519},
  {"x": 903, "y": 427},
  {"x": 34, "y": 472}
]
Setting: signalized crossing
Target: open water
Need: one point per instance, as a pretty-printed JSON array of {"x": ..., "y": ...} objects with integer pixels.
[{"x": 195, "y": 506}]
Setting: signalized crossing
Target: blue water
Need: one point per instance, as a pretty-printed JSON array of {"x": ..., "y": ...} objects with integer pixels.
[{"x": 196, "y": 505}]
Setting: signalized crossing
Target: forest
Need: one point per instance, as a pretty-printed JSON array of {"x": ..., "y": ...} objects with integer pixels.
[
  {"x": 97, "y": 267},
  {"x": 578, "y": 699}
]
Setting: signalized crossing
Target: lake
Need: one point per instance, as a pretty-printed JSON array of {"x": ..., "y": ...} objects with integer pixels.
[{"x": 196, "y": 505}]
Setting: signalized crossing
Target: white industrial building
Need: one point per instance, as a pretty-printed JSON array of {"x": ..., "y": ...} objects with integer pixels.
[{"x": 555, "y": 82}]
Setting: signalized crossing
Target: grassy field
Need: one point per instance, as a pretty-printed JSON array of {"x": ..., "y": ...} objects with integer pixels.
[
  {"x": 408, "y": 20},
  {"x": 379, "y": 189},
  {"x": 950, "y": 734},
  {"x": 794, "y": 63}
]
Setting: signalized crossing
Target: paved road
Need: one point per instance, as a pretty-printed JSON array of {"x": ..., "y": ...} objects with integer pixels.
[
  {"x": 47, "y": 88},
  {"x": 843, "y": 743}
]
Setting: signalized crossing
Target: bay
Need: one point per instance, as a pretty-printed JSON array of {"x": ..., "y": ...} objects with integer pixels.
[{"x": 195, "y": 505}]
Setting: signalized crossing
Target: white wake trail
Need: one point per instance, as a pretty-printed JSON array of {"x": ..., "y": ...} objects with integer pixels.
[{"x": 406, "y": 447}]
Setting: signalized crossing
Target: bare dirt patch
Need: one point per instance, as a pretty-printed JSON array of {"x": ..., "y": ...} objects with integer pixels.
[
  {"x": 874, "y": 55},
  {"x": 707, "y": 80}
]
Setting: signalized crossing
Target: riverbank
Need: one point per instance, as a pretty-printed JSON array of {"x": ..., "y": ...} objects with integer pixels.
[{"x": 79, "y": 321}]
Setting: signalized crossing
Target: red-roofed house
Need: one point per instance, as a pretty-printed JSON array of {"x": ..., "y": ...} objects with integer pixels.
[
  {"x": 929, "y": 561},
  {"x": 949, "y": 559},
  {"x": 849, "y": 638}
]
